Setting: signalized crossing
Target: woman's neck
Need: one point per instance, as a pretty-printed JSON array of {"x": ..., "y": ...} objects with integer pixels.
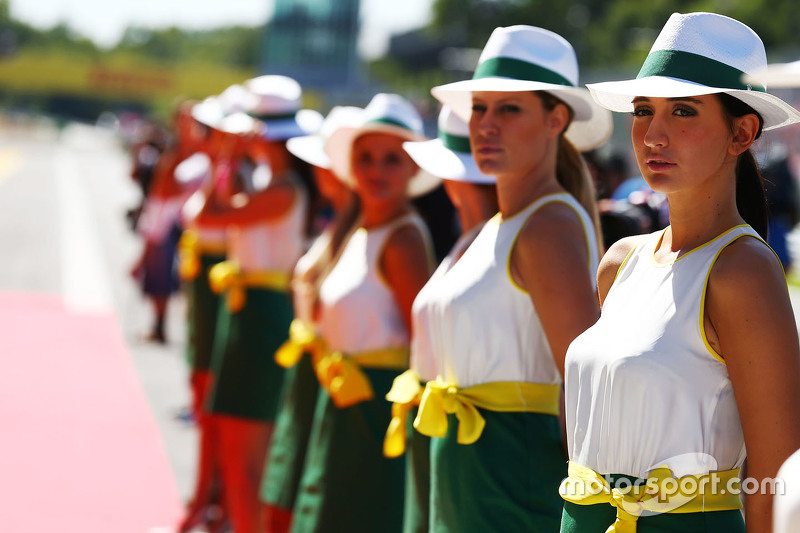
[
  {"x": 376, "y": 215},
  {"x": 474, "y": 210},
  {"x": 515, "y": 193},
  {"x": 696, "y": 219}
]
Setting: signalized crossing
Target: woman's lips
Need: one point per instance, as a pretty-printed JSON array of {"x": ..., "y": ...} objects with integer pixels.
[{"x": 656, "y": 164}]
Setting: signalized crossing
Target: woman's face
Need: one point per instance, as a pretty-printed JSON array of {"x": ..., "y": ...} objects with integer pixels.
[
  {"x": 681, "y": 143},
  {"x": 381, "y": 168},
  {"x": 510, "y": 131}
]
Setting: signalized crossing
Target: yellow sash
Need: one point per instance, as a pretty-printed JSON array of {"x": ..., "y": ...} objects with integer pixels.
[
  {"x": 227, "y": 277},
  {"x": 406, "y": 392},
  {"x": 302, "y": 338},
  {"x": 441, "y": 398},
  {"x": 190, "y": 248},
  {"x": 341, "y": 376},
  {"x": 660, "y": 493}
]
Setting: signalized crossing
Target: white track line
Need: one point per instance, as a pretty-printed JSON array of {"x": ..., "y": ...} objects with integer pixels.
[{"x": 85, "y": 280}]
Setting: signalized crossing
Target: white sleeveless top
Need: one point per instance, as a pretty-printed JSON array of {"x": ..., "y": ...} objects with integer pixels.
[
  {"x": 487, "y": 328},
  {"x": 358, "y": 310},
  {"x": 274, "y": 245},
  {"x": 643, "y": 386},
  {"x": 423, "y": 339}
]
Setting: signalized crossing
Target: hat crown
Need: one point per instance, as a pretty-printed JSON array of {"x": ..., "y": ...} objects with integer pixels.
[
  {"x": 714, "y": 36},
  {"x": 273, "y": 95},
  {"x": 537, "y": 46},
  {"x": 452, "y": 124},
  {"x": 393, "y": 109},
  {"x": 338, "y": 117}
]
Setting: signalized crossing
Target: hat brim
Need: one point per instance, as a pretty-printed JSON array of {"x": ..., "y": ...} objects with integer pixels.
[
  {"x": 433, "y": 157},
  {"x": 777, "y": 75},
  {"x": 310, "y": 149},
  {"x": 305, "y": 122},
  {"x": 591, "y": 126},
  {"x": 618, "y": 96},
  {"x": 340, "y": 144}
]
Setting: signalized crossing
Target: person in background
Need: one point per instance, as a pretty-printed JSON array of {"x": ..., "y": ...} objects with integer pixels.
[
  {"x": 202, "y": 246},
  {"x": 695, "y": 361},
  {"x": 475, "y": 198},
  {"x": 365, "y": 320},
  {"x": 299, "y": 396},
  {"x": 159, "y": 222},
  {"x": 507, "y": 310},
  {"x": 261, "y": 201}
]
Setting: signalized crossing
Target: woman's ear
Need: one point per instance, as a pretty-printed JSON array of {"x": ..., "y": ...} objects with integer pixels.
[
  {"x": 558, "y": 119},
  {"x": 745, "y": 130}
]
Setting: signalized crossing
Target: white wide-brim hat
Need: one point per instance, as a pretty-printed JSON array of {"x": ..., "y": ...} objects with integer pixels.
[
  {"x": 274, "y": 104},
  {"x": 450, "y": 156},
  {"x": 526, "y": 58},
  {"x": 311, "y": 148},
  {"x": 208, "y": 112},
  {"x": 386, "y": 113},
  {"x": 782, "y": 75},
  {"x": 697, "y": 54}
]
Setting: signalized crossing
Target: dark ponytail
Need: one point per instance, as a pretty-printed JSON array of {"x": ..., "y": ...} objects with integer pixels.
[{"x": 751, "y": 200}]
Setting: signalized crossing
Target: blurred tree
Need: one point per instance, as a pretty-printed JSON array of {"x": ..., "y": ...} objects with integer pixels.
[{"x": 611, "y": 32}]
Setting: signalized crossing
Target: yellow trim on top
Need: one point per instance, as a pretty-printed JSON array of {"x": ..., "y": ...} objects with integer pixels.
[
  {"x": 653, "y": 255},
  {"x": 625, "y": 261},
  {"x": 703, "y": 336},
  {"x": 555, "y": 197}
]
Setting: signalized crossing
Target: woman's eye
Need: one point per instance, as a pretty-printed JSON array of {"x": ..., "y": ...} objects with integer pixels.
[
  {"x": 478, "y": 108},
  {"x": 684, "y": 111},
  {"x": 510, "y": 108},
  {"x": 641, "y": 111},
  {"x": 392, "y": 159}
]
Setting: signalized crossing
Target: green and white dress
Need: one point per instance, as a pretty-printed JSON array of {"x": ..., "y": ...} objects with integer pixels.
[
  {"x": 496, "y": 368},
  {"x": 348, "y": 484}
]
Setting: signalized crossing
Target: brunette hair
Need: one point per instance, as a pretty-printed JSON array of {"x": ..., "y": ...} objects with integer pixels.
[{"x": 751, "y": 200}]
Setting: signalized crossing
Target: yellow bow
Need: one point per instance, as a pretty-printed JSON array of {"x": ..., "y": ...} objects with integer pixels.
[
  {"x": 226, "y": 277},
  {"x": 343, "y": 380},
  {"x": 441, "y": 398},
  {"x": 660, "y": 493},
  {"x": 302, "y": 338},
  {"x": 406, "y": 392},
  {"x": 188, "y": 256}
]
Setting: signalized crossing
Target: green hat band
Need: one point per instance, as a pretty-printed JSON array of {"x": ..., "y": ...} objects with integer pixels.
[
  {"x": 270, "y": 118},
  {"x": 455, "y": 143},
  {"x": 506, "y": 67},
  {"x": 695, "y": 68},
  {"x": 389, "y": 122}
]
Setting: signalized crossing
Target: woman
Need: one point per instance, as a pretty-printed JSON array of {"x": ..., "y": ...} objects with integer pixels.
[
  {"x": 299, "y": 396},
  {"x": 261, "y": 200},
  {"x": 365, "y": 319},
  {"x": 475, "y": 198},
  {"x": 504, "y": 315},
  {"x": 714, "y": 362}
]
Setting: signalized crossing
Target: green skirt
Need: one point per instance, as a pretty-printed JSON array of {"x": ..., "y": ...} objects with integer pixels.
[
  {"x": 287, "y": 452},
  {"x": 247, "y": 380},
  {"x": 418, "y": 479},
  {"x": 506, "y": 481},
  {"x": 596, "y": 518},
  {"x": 348, "y": 484},
  {"x": 203, "y": 307}
]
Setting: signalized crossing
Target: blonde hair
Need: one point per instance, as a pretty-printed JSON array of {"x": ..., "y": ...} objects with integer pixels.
[{"x": 572, "y": 172}]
